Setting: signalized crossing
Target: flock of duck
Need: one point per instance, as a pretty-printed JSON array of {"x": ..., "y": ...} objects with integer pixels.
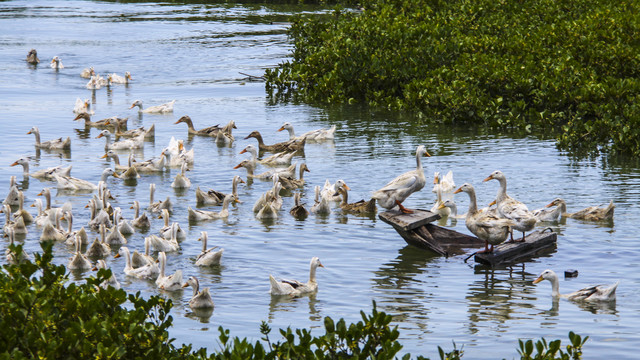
[{"x": 491, "y": 224}]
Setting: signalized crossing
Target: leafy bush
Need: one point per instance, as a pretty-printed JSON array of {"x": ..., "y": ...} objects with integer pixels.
[
  {"x": 47, "y": 317},
  {"x": 566, "y": 68}
]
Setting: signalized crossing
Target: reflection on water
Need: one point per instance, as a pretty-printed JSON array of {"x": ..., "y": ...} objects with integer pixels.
[{"x": 284, "y": 303}]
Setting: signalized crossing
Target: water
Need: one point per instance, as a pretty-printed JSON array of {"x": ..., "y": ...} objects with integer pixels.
[{"x": 194, "y": 54}]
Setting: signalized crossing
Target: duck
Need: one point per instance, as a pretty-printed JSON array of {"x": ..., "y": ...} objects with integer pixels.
[
  {"x": 151, "y": 165},
  {"x": 298, "y": 210},
  {"x": 99, "y": 248},
  {"x": 225, "y": 136},
  {"x": 140, "y": 221},
  {"x": 11, "y": 256},
  {"x": 41, "y": 218},
  {"x": 149, "y": 133},
  {"x": 511, "y": 208},
  {"x": 32, "y": 57},
  {"x": 43, "y": 174},
  {"x": 360, "y": 207},
  {"x": 46, "y": 192},
  {"x": 13, "y": 197},
  {"x": 292, "y": 183},
  {"x": 213, "y": 197},
  {"x": 321, "y": 205},
  {"x": 111, "y": 281},
  {"x": 157, "y": 109},
  {"x": 208, "y": 131},
  {"x": 134, "y": 143},
  {"x": 199, "y": 299},
  {"x": 69, "y": 183},
  {"x": 165, "y": 231},
  {"x": 313, "y": 135},
  {"x": 268, "y": 210},
  {"x": 117, "y": 79},
  {"x": 115, "y": 237},
  {"x": 594, "y": 213},
  {"x": 17, "y": 226},
  {"x": 83, "y": 106},
  {"x": 52, "y": 232},
  {"x": 443, "y": 186},
  {"x": 591, "y": 293},
  {"x": 108, "y": 123},
  {"x": 149, "y": 272},
  {"x": 168, "y": 282},
  {"x": 208, "y": 257},
  {"x": 87, "y": 72},
  {"x": 138, "y": 259},
  {"x": 277, "y": 159},
  {"x": 56, "y": 63},
  {"x": 330, "y": 191},
  {"x": 124, "y": 225},
  {"x": 294, "y": 287},
  {"x": 289, "y": 146},
  {"x": 453, "y": 209},
  {"x": 485, "y": 225},
  {"x": 268, "y": 196},
  {"x": 95, "y": 82},
  {"x": 399, "y": 189},
  {"x": 181, "y": 180},
  {"x": 55, "y": 144},
  {"x": 21, "y": 212},
  {"x": 79, "y": 261},
  {"x": 73, "y": 236},
  {"x": 158, "y": 205},
  {"x": 552, "y": 211},
  {"x": 111, "y": 154},
  {"x": 161, "y": 244},
  {"x": 201, "y": 215},
  {"x": 250, "y": 167},
  {"x": 98, "y": 216}
]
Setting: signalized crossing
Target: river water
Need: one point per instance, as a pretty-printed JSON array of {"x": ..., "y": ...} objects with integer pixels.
[{"x": 194, "y": 54}]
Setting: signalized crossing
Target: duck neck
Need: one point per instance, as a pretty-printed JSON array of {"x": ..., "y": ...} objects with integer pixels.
[
  {"x": 116, "y": 159},
  {"x": 47, "y": 197},
  {"x": 127, "y": 258},
  {"x": 70, "y": 222},
  {"x": 162, "y": 260},
  {"x": 301, "y": 172},
  {"x": 190, "y": 124},
  {"x": 104, "y": 177},
  {"x": 345, "y": 196},
  {"x": 419, "y": 161},
  {"x": 292, "y": 134},
  {"x": 25, "y": 168},
  {"x": 473, "y": 206},
  {"x": 196, "y": 286},
  {"x": 204, "y": 242},
  {"x": 136, "y": 209},
  {"x": 36, "y": 132},
  {"x": 454, "y": 210},
  {"x": 151, "y": 191},
  {"x": 225, "y": 203},
  {"x": 259, "y": 138},
  {"x": 312, "y": 273},
  {"x": 502, "y": 192},
  {"x": 234, "y": 185},
  {"x": 555, "y": 286}
]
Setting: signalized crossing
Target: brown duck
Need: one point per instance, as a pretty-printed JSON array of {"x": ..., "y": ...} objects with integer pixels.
[
  {"x": 360, "y": 207},
  {"x": 208, "y": 131},
  {"x": 288, "y": 146},
  {"x": 291, "y": 183}
]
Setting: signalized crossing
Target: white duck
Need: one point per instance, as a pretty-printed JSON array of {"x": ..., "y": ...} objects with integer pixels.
[
  {"x": 140, "y": 221},
  {"x": 592, "y": 293},
  {"x": 79, "y": 261},
  {"x": 111, "y": 281},
  {"x": 87, "y": 72},
  {"x": 12, "y": 197},
  {"x": 330, "y": 191},
  {"x": 124, "y": 225},
  {"x": 201, "y": 215},
  {"x": 181, "y": 180},
  {"x": 213, "y": 197},
  {"x": 115, "y": 237},
  {"x": 149, "y": 272},
  {"x": 55, "y": 144},
  {"x": 42, "y": 218},
  {"x": 99, "y": 216},
  {"x": 161, "y": 244},
  {"x": 294, "y": 287},
  {"x": 138, "y": 259},
  {"x": 208, "y": 257},
  {"x": 552, "y": 211},
  {"x": 157, "y": 109},
  {"x": 133, "y": 143},
  {"x": 56, "y": 63},
  {"x": 168, "y": 282},
  {"x": 12, "y": 256},
  {"x": 117, "y": 79},
  {"x": 165, "y": 231},
  {"x": 158, "y": 205},
  {"x": 313, "y": 135},
  {"x": 83, "y": 106},
  {"x": 321, "y": 205},
  {"x": 200, "y": 299},
  {"x": 21, "y": 212},
  {"x": 71, "y": 234},
  {"x": 69, "y": 183},
  {"x": 53, "y": 232},
  {"x": 43, "y": 174},
  {"x": 399, "y": 189},
  {"x": 510, "y": 208},
  {"x": 99, "y": 248},
  {"x": 17, "y": 226},
  {"x": 94, "y": 83},
  {"x": 281, "y": 158}
]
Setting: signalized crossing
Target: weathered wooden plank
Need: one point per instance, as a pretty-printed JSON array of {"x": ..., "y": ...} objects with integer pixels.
[
  {"x": 406, "y": 222},
  {"x": 509, "y": 253}
]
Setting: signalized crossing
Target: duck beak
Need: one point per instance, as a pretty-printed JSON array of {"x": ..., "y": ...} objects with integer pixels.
[
  {"x": 441, "y": 206},
  {"x": 99, "y": 136},
  {"x": 177, "y": 122},
  {"x": 248, "y": 136},
  {"x": 95, "y": 268},
  {"x": 39, "y": 194},
  {"x": 435, "y": 180},
  {"x": 32, "y": 205},
  {"x": 490, "y": 177},
  {"x": 320, "y": 264},
  {"x": 14, "y": 164},
  {"x": 116, "y": 175},
  {"x": 347, "y": 187},
  {"x": 131, "y": 107},
  {"x": 117, "y": 255},
  {"x": 185, "y": 285},
  {"x": 458, "y": 191},
  {"x": 550, "y": 204},
  {"x": 237, "y": 166},
  {"x": 77, "y": 117},
  {"x": 426, "y": 154},
  {"x": 243, "y": 151},
  {"x": 29, "y": 132},
  {"x": 492, "y": 203},
  {"x": 538, "y": 280},
  {"x": 242, "y": 181},
  {"x": 103, "y": 156},
  {"x": 282, "y": 128}
]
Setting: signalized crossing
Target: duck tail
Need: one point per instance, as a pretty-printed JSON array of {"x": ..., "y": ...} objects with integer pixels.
[{"x": 276, "y": 289}]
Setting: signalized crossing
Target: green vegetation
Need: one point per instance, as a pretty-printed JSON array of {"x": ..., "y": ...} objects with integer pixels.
[
  {"x": 566, "y": 69},
  {"x": 47, "y": 317}
]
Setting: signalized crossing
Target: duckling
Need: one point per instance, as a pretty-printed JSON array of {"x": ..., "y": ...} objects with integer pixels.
[
  {"x": 149, "y": 272},
  {"x": 165, "y": 231},
  {"x": 32, "y": 57},
  {"x": 208, "y": 257},
  {"x": 140, "y": 221},
  {"x": 99, "y": 248},
  {"x": 298, "y": 211},
  {"x": 157, "y": 109},
  {"x": 224, "y": 136},
  {"x": 168, "y": 282},
  {"x": 213, "y": 197},
  {"x": 160, "y": 244},
  {"x": 321, "y": 205},
  {"x": 360, "y": 207},
  {"x": 292, "y": 183},
  {"x": 289, "y": 146},
  {"x": 44, "y": 174},
  {"x": 79, "y": 261},
  {"x": 55, "y": 144},
  {"x": 159, "y": 205},
  {"x": 201, "y": 215},
  {"x": 11, "y": 255},
  {"x": 111, "y": 281},
  {"x": 181, "y": 181},
  {"x": 200, "y": 299}
]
